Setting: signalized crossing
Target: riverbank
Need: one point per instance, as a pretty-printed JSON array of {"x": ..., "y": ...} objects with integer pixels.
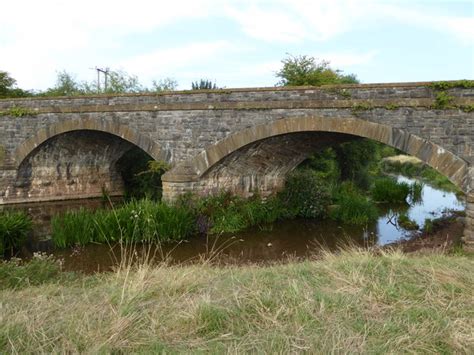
[
  {"x": 353, "y": 301},
  {"x": 444, "y": 235}
]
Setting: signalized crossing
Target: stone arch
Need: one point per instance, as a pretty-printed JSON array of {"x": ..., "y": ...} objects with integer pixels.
[
  {"x": 145, "y": 143},
  {"x": 448, "y": 164}
]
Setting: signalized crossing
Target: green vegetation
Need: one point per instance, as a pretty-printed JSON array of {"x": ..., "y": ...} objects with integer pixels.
[
  {"x": 226, "y": 213},
  {"x": 467, "y": 108},
  {"x": 304, "y": 195},
  {"x": 355, "y": 302},
  {"x": 406, "y": 223},
  {"x": 362, "y": 106},
  {"x": 416, "y": 168},
  {"x": 445, "y": 85},
  {"x": 203, "y": 84},
  {"x": 17, "y": 111},
  {"x": 17, "y": 274},
  {"x": 306, "y": 70},
  {"x": 443, "y": 100},
  {"x": 135, "y": 221},
  {"x": 141, "y": 174},
  {"x": 352, "y": 207},
  {"x": 389, "y": 190},
  {"x": 14, "y": 228},
  {"x": 8, "y": 87}
]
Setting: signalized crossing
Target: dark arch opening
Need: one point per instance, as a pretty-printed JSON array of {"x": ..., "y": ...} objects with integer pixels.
[{"x": 78, "y": 164}]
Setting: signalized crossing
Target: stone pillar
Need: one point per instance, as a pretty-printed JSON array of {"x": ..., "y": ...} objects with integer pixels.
[
  {"x": 172, "y": 190},
  {"x": 469, "y": 226}
]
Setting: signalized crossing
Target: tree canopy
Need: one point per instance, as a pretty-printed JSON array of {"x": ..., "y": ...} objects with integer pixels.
[
  {"x": 8, "y": 87},
  {"x": 306, "y": 70}
]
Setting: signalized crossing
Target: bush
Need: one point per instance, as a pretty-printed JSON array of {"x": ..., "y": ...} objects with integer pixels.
[
  {"x": 228, "y": 213},
  {"x": 304, "y": 195},
  {"x": 390, "y": 191},
  {"x": 14, "y": 228}
]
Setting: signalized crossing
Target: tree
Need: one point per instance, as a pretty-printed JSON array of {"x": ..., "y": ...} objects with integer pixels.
[
  {"x": 8, "y": 87},
  {"x": 120, "y": 82},
  {"x": 66, "y": 85},
  {"x": 306, "y": 70},
  {"x": 166, "y": 84},
  {"x": 203, "y": 84}
]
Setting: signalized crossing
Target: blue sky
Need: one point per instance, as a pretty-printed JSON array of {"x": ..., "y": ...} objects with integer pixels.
[{"x": 236, "y": 43}]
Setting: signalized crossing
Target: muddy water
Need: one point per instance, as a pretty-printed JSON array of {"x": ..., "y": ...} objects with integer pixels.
[{"x": 284, "y": 239}]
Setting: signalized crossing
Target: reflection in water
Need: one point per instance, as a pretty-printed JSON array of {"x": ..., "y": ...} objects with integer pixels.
[
  {"x": 433, "y": 203},
  {"x": 293, "y": 238}
]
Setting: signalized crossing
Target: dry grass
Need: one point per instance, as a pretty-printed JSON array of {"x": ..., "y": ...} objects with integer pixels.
[
  {"x": 403, "y": 159},
  {"x": 353, "y": 302}
]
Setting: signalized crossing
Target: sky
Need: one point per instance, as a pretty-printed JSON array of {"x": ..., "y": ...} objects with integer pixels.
[{"x": 235, "y": 43}]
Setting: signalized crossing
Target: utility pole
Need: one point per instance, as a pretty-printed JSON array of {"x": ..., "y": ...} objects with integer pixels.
[{"x": 106, "y": 74}]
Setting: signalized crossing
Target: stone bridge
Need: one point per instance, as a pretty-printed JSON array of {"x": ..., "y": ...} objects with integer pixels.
[{"x": 243, "y": 140}]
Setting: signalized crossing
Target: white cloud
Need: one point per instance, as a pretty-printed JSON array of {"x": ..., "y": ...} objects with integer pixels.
[
  {"x": 343, "y": 60},
  {"x": 321, "y": 20},
  {"x": 460, "y": 27},
  {"x": 38, "y": 38},
  {"x": 164, "y": 61}
]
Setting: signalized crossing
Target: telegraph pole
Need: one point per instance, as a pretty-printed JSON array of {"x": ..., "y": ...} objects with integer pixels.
[{"x": 106, "y": 74}]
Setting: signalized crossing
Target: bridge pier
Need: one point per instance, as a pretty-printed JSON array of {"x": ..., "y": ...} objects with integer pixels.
[{"x": 469, "y": 222}]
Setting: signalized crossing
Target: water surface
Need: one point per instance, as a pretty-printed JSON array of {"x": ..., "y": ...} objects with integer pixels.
[{"x": 284, "y": 239}]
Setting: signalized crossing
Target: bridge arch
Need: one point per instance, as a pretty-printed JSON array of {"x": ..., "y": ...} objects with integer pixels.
[
  {"x": 44, "y": 134},
  {"x": 194, "y": 170}
]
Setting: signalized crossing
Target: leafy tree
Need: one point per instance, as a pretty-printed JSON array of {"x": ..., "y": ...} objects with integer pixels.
[
  {"x": 120, "y": 82},
  {"x": 66, "y": 85},
  {"x": 166, "y": 84},
  {"x": 203, "y": 84},
  {"x": 306, "y": 70},
  {"x": 8, "y": 87}
]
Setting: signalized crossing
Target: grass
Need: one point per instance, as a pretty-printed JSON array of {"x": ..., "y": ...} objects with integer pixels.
[
  {"x": 412, "y": 167},
  {"x": 352, "y": 206},
  {"x": 135, "y": 221},
  {"x": 351, "y": 302},
  {"x": 389, "y": 190},
  {"x": 14, "y": 229}
]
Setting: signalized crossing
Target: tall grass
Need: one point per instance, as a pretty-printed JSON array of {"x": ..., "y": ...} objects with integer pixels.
[
  {"x": 14, "y": 229},
  {"x": 389, "y": 190},
  {"x": 135, "y": 221},
  {"x": 352, "y": 207}
]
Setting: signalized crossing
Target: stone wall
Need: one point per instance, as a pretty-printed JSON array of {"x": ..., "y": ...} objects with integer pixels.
[
  {"x": 177, "y": 127},
  {"x": 207, "y": 135}
]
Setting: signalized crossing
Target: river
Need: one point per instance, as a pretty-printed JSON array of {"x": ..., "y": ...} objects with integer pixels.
[{"x": 284, "y": 239}]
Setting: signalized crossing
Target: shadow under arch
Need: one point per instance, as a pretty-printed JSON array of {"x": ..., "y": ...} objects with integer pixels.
[
  {"x": 145, "y": 143},
  {"x": 445, "y": 162}
]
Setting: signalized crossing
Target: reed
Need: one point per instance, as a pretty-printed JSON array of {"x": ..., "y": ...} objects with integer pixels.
[{"x": 14, "y": 228}]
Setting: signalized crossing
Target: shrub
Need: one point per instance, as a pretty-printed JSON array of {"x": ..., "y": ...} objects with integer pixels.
[
  {"x": 14, "y": 228},
  {"x": 304, "y": 195}
]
